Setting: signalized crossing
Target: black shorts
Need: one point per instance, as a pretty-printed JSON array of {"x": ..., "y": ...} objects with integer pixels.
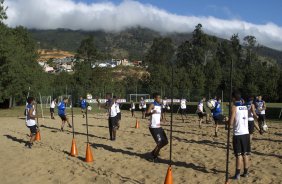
[
  {"x": 132, "y": 110},
  {"x": 118, "y": 116},
  {"x": 63, "y": 117},
  {"x": 219, "y": 119},
  {"x": 201, "y": 114},
  {"x": 159, "y": 135},
  {"x": 241, "y": 144},
  {"x": 183, "y": 111},
  {"x": 261, "y": 117},
  {"x": 163, "y": 110},
  {"x": 52, "y": 110},
  {"x": 143, "y": 109},
  {"x": 33, "y": 129},
  {"x": 251, "y": 125},
  {"x": 112, "y": 122}
]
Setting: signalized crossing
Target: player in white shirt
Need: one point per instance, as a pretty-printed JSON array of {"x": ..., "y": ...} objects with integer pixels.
[
  {"x": 143, "y": 106},
  {"x": 241, "y": 136},
  {"x": 165, "y": 108},
  {"x": 183, "y": 107},
  {"x": 132, "y": 108},
  {"x": 52, "y": 108},
  {"x": 154, "y": 111},
  {"x": 200, "y": 111},
  {"x": 260, "y": 110},
  {"x": 111, "y": 107},
  {"x": 30, "y": 120},
  {"x": 118, "y": 111}
]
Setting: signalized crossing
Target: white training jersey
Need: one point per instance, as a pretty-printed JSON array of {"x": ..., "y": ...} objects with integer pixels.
[
  {"x": 155, "y": 120},
  {"x": 133, "y": 106},
  {"x": 259, "y": 105},
  {"x": 113, "y": 111},
  {"x": 142, "y": 104},
  {"x": 53, "y": 104},
  {"x": 250, "y": 114},
  {"x": 164, "y": 103},
  {"x": 117, "y": 107},
  {"x": 241, "y": 121},
  {"x": 29, "y": 121},
  {"x": 183, "y": 103},
  {"x": 200, "y": 106}
]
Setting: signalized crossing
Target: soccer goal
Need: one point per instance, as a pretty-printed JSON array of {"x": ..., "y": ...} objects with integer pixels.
[
  {"x": 46, "y": 101},
  {"x": 137, "y": 97}
]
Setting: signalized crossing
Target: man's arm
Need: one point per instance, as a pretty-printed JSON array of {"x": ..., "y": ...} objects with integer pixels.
[
  {"x": 30, "y": 113},
  {"x": 148, "y": 112},
  {"x": 233, "y": 114},
  {"x": 255, "y": 116},
  {"x": 264, "y": 106}
]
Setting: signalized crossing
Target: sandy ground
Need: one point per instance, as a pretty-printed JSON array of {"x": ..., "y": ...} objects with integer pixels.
[{"x": 198, "y": 157}]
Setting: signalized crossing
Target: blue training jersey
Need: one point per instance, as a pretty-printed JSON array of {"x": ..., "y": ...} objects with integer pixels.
[
  {"x": 61, "y": 108},
  {"x": 83, "y": 104},
  {"x": 217, "y": 110}
]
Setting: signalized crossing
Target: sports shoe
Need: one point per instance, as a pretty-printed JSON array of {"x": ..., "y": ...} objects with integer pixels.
[
  {"x": 236, "y": 177},
  {"x": 245, "y": 175}
]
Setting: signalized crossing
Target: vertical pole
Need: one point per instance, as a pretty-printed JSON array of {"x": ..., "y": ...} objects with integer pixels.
[
  {"x": 222, "y": 105},
  {"x": 170, "y": 145},
  {"x": 72, "y": 123},
  {"x": 228, "y": 126},
  {"x": 41, "y": 107},
  {"x": 86, "y": 117},
  {"x": 136, "y": 94}
]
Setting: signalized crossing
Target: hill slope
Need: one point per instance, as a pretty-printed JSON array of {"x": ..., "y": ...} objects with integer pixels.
[{"x": 131, "y": 43}]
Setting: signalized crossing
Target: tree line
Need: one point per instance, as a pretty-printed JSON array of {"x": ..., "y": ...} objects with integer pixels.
[{"x": 201, "y": 67}]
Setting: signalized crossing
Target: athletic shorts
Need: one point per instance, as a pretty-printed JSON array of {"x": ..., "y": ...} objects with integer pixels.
[
  {"x": 52, "y": 110},
  {"x": 118, "y": 116},
  {"x": 163, "y": 110},
  {"x": 183, "y": 111},
  {"x": 219, "y": 119},
  {"x": 159, "y": 135},
  {"x": 261, "y": 117},
  {"x": 241, "y": 144},
  {"x": 132, "y": 110},
  {"x": 112, "y": 122},
  {"x": 201, "y": 114},
  {"x": 251, "y": 125},
  {"x": 83, "y": 109},
  {"x": 33, "y": 129},
  {"x": 63, "y": 117},
  {"x": 143, "y": 109}
]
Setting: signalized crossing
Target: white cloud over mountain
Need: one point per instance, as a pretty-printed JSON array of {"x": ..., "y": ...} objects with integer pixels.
[{"x": 52, "y": 14}]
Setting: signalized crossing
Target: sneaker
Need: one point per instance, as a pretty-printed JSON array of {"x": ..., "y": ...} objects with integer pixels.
[
  {"x": 245, "y": 175},
  {"x": 236, "y": 177},
  {"x": 70, "y": 126},
  {"x": 62, "y": 129},
  {"x": 215, "y": 134}
]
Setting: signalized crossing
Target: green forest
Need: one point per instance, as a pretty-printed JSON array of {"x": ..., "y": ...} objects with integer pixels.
[{"x": 200, "y": 63}]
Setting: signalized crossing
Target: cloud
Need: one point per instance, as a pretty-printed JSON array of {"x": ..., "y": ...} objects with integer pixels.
[{"x": 52, "y": 14}]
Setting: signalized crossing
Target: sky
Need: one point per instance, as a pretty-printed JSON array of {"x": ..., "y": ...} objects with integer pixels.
[{"x": 222, "y": 18}]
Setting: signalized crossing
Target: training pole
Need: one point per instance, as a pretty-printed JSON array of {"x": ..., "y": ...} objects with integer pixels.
[
  {"x": 170, "y": 145},
  {"x": 41, "y": 107},
  {"x": 72, "y": 123},
  {"x": 86, "y": 118},
  {"x": 168, "y": 178},
  {"x": 228, "y": 126}
]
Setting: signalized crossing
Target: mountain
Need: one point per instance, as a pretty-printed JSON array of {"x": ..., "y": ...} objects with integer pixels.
[{"x": 131, "y": 43}]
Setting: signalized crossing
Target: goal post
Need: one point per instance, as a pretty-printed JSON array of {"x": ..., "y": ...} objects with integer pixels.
[
  {"x": 137, "y": 97},
  {"x": 46, "y": 101}
]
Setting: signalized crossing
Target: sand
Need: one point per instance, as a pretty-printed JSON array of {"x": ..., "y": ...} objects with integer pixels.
[{"x": 198, "y": 157}]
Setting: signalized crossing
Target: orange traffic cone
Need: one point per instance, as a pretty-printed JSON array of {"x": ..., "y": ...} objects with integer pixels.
[
  {"x": 137, "y": 123},
  {"x": 74, "y": 152},
  {"x": 89, "y": 157},
  {"x": 168, "y": 178},
  {"x": 38, "y": 137}
]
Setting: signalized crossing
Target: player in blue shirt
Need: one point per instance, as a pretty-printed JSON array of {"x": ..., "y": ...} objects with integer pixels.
[
  {"x": 217, "y": 115},
  {"x": 62, "y": 112},
  {"x": 83, "y": 105}
]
